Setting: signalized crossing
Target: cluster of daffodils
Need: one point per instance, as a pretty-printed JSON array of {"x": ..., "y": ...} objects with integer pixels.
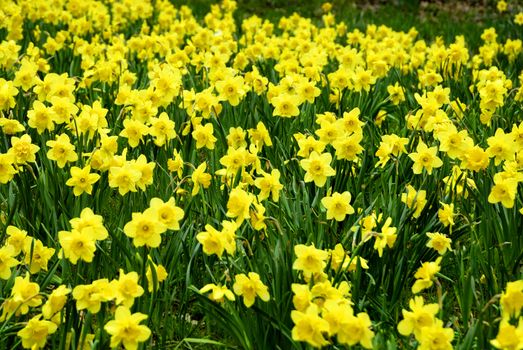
[
  {"x": 323, "y": 308},
  {"x": 31, "y": 252},
  {"x": 145, "y": 151},
  {"x": 215, "y": 242},
  {"x": 428, "y": 330},
  {"x": 146, "y": 228},
  {"x": 342, "y": 134},
  {"x": 125, "y": 328},
  {"x": 373, "y": 226},
  {"x": 247, "y": 286},
  {"x": 510, "y": 333}
]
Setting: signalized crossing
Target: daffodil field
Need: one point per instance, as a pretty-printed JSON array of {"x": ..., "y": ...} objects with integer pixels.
[{"x": 171, "y": 180}]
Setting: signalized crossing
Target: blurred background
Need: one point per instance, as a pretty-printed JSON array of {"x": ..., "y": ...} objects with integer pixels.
[{"x": 430, "y": 17}]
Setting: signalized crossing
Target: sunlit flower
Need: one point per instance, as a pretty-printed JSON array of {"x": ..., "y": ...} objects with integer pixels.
[{"x": 125, "y": 329}]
